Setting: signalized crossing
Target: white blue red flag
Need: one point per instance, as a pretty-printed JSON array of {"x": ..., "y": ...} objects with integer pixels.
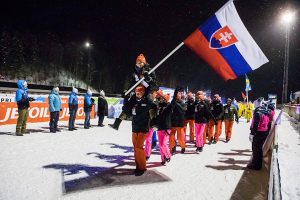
[{"x": 225, "y": 44}]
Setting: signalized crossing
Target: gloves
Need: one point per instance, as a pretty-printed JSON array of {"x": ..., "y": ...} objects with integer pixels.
[
  {"x": 147, "y": 76},
  {"x": 31, "y": 99},
  {"x": 251, "y": 138},
  {"x": 60, "y": 109},
  {"x": 153, "y": 123},
  {"x": 237, "y": 121}
]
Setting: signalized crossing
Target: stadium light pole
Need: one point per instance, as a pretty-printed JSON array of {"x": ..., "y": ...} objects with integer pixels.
[
  {"x": 287, "y": 18},
  {"x": 88, "y": 46}
]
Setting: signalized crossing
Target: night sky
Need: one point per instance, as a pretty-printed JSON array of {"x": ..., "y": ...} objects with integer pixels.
[{"x": 120, "y": 30}]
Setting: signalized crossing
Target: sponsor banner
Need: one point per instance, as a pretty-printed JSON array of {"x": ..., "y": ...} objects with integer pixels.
[{"x": 39, "y": 110}]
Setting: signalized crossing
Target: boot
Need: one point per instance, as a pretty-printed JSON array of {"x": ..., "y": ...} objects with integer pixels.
[
  {"x": 116, "y": 124},
  {"x": 182, "y": 150},
  {"x": 173, "y": 150}
]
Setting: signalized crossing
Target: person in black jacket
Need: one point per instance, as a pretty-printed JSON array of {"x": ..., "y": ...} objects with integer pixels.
[
  {"x": 141, "y": 69},
  {"x": 190, "y": 116},
  {"x": 217, "y": 110},
  {"x": 139, "y": 108},
  {"x": 177, "y": 120},
  {"x": 202, "y": 115},
  {"x": 102, "y": 108},
  {"x": 164, "y": 114}
]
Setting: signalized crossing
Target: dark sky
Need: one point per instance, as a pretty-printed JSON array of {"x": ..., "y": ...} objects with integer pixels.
[{"x": 122, "y": 29}]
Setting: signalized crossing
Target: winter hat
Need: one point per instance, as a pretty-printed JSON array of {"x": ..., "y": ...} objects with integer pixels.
[
  {"x": 140, "y": 89},
  {"x": 102, "y": 93},
  {"x": 167, "y": 97},
  {"x": 140, "y": 59},
  {"x": 89, "y": 92},
  {"x": 25, "y": 84},
  {"x": 160, "y": 93},
  {"x": 190, "y": 95},
  {"x": 200, "y": 92},
  {"x": 75, "y": 90},
  {"x": 56, "y": 89}
]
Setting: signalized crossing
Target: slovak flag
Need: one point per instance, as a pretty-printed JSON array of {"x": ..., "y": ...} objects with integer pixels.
[{"x": 225, "y": 44}]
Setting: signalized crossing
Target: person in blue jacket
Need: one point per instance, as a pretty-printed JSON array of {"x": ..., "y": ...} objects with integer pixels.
[
  {"x": 73, "y": 107},
  {"x": 87, "y": 107},
  {"x": 54, "y": 108},
  {"x": 22, "y": 100}
]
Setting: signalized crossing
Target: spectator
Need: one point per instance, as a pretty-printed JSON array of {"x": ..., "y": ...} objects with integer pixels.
[
  {"x": 102, "y": 108},
  {"x": 54, "y": 108}
]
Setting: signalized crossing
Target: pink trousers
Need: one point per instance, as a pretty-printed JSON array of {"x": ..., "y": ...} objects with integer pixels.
[
  {"x": 163, "y": 139},
  {"x": 148, "y": 143},
  {"x": 199, "y": 134}
]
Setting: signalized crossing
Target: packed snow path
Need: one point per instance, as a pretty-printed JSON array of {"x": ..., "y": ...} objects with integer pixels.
[{"x": 97, "y": 164}]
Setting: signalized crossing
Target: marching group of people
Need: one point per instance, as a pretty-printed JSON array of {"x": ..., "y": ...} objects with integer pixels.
[{"x": 153, "y": 110}]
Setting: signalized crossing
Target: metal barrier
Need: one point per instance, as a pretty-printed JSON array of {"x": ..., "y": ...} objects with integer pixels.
[{"x": 271, "y": 143}]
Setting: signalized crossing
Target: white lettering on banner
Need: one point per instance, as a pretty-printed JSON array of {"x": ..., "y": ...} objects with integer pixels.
[
  {"x": 46, "y": 112},
  {"x": 68, "y": 113},
  {"x": 63, "y": 113},
  {"x": 42, "y": 112},
  {"x": 6, "y": 115},
  {"x": 31, "y": 112},
  {"x": 80, "y": 111},
  {"x": 14, "y": 113}
]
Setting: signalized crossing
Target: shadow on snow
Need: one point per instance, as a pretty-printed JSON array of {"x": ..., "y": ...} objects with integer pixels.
[{"x": 102, "y": 177}]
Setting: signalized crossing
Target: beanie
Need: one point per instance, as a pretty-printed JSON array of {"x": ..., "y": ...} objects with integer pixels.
[
  {"x": 140, "y": 89},
  {"x": 75, "y": 90},
  {"x": 141, "y": 59},
  {"x": 102, "y": 93},
  {"x": 56, "y": 89},
  {"x": 89, "y": 92}
]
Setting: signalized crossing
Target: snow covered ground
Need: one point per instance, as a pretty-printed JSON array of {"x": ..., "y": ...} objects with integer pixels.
[
  {"x": 98, "y": 163},
  {"x": 289, "y": 157}
]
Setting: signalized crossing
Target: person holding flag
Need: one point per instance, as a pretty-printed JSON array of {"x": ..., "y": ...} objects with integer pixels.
[{"x": 141, "y": 76}]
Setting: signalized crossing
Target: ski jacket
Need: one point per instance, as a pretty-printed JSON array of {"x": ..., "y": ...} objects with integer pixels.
[
  {"x": 260, "y": 120},
  {"x": 217, "y": 110},
  {"x": 190, "y": 109},
  {"x": 202, "y": 112},
  {"x": 137, "y": 74},
  {"x": 22, "y": 98},
  {"x": 139, "y": 110},
  {"x": 88, "y": 104},
  {"x": 164, "y": 114},
  {"x": 73, "y": 101},
  {"x": 102, "y": 106},
  {"x": 54, "y": 102},
  {"x": 230, "y": 113},
  {"x": 178, "y": 113}
]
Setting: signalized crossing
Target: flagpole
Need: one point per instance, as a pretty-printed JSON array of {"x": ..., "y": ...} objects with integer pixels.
[
  {"x": 156, "y": 66},
  {"x": 247, "y": 95}
]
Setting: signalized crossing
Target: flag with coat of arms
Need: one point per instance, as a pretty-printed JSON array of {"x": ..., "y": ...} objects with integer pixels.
[{"x": 225, "y": 44}]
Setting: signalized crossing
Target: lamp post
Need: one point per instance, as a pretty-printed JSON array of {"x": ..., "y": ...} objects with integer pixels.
[
  {"x": 88, "y": 46},
  {"x": 287, "y": 18}
]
